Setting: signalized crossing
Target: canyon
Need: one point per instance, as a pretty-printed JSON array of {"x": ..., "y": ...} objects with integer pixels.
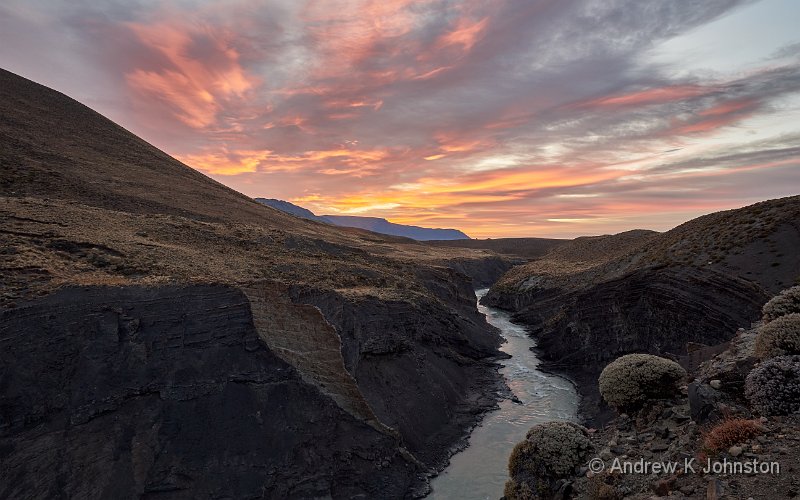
[
  {"x": 165, "y": 335},
  {"x": 594, "y": 299}
]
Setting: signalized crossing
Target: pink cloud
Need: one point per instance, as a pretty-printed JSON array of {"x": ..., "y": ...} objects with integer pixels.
[
  {"x": 194, "y": 89},
  {"x": 649, "y": 96},
  {"x": 492, "y": 116}
]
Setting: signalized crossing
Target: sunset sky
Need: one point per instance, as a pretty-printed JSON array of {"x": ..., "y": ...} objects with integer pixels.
[{"x": 499, "y": 118}]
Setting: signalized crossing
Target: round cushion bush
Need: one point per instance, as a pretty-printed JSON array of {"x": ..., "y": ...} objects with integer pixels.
[
  {"x": 786, "y": 302},
  {"x": 779, "y": 337},
  {"x": 550, "y": 451},
  {"x": 773, "y": 387},
  {"x": 628, "y": 382}
]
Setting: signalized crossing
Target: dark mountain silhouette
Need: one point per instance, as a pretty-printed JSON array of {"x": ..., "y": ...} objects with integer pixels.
[{"x": 374, "y": 224}]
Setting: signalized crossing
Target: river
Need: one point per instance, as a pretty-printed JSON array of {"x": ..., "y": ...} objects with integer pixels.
[{"x": 479, "y": 471}]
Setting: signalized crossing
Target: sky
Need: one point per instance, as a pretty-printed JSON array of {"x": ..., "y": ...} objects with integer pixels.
[{"x": 546, "y": 118}]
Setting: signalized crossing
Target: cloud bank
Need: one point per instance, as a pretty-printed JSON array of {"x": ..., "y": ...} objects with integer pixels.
[{"x": 500, "y": 118}]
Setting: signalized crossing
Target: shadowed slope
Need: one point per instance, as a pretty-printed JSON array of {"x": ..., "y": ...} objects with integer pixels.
[
  {"x": 86, "y": 203},
  {"x": 593, "y": 299}
]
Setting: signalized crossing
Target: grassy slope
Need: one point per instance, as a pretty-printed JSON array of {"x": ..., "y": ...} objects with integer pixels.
[
  {"x": 525, "y": 248},
  {"x": 85, "y": 201},
  {"x": 757, "y": 243}
]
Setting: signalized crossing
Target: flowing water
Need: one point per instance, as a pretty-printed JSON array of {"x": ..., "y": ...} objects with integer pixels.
[{"x": 479, "y": 472}]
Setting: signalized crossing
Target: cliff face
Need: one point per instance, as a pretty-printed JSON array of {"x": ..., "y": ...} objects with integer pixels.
[
  {"x": 595, "y": 299},
  {"x": 207, "y": 390},
  {"x": 483, "y": 272},
  {"x": 653, "y": 310},
  {"x": 147, "y": 380},
  {"x": 425, "y": 367},
  {"x": 141, "y": 391}
]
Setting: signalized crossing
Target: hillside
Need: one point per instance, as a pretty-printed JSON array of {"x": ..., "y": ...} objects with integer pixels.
[
  {"x": 583, "y": 253},
  {"x": 523, "y": 248},
  {"x": 374, "y": 224},
  {"x": 138, "y": 295},
  {"x": 592, "y": 299}
]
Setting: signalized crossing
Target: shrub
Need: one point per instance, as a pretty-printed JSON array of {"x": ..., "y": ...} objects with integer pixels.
[
  {"x": 598, "y": 489},
  {"x": 551, "y": 451},
  {"x": 627, "y": 383},
  {"x": 779, "y": 337},
  {"x": 730, "y": 432},
  {"x": 786, "y": 302},
  {"x": 773, "y": 387},
  {"x": 517, "y": 491}
]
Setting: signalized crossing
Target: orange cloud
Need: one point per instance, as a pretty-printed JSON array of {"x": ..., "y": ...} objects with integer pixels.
[
  {"x": 729, "y": 107},
  {"x": 192, "y": 87},
  {"x": 466, "y": 34},
  {"x": 489, "y": 187},
  {"x": 716, "y": 117},
  {"x": 224, "y": 162}
]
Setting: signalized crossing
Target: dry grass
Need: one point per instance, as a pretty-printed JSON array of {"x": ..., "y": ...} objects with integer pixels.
[
  {"x": 729, "y": 432},
  {"x": 756, "y": 243},
  {"x": 579, "y": 255},
  {"x": 85, "y": 201},
  {"x": 716, "y": 236}
]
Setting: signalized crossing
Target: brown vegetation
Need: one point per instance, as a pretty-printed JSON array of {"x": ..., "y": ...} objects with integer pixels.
[
  {"x": 84, "y": 201},
  {"x": 729, "y": 432},
  {"x": 756, "y": 243}
]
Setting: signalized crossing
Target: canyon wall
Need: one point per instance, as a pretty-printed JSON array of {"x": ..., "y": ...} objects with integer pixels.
[
  {"x": 132, "y": 392},
  {"x": 654, "y": 310},
  {"x": 426, "y": 367}
]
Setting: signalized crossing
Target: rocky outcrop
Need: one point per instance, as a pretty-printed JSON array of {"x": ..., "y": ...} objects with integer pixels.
[
  {"x": 426, "y": 368},
  {"x": 133, "y": 392},
  {"x": 299, "y": 335},
  {"x": 710, "y": 435},
  {"x": 654, "y": 310},
  {"x": 483, "y": 272}
]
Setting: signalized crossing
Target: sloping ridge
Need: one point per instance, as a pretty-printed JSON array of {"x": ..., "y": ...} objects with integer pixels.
[
  {"x": 86, "y": 205},
  {"x": 98, "y": 163},
  {"x": 592, "y": 300},
  {"x": 58, "y": 148}
]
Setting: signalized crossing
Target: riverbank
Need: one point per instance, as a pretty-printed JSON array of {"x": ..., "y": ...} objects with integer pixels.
[{"x": 534, "y": 396}]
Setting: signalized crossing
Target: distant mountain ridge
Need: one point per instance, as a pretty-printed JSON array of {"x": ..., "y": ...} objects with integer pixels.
[
  {"x": 374, "y": 224},
  {"x": 291, "y": 208}
]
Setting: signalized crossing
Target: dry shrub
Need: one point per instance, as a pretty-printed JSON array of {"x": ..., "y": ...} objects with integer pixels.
[
  {"x": 550, "y": 451},
  {"x": 773, "y": 387},
  {"x": 730, "y": 432},
  {"x": 517, "y": 491},
  {"x": 779, "y": 337},
  {"x": 786, "y": 302},
  {"x": 599, "y": 489}
]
